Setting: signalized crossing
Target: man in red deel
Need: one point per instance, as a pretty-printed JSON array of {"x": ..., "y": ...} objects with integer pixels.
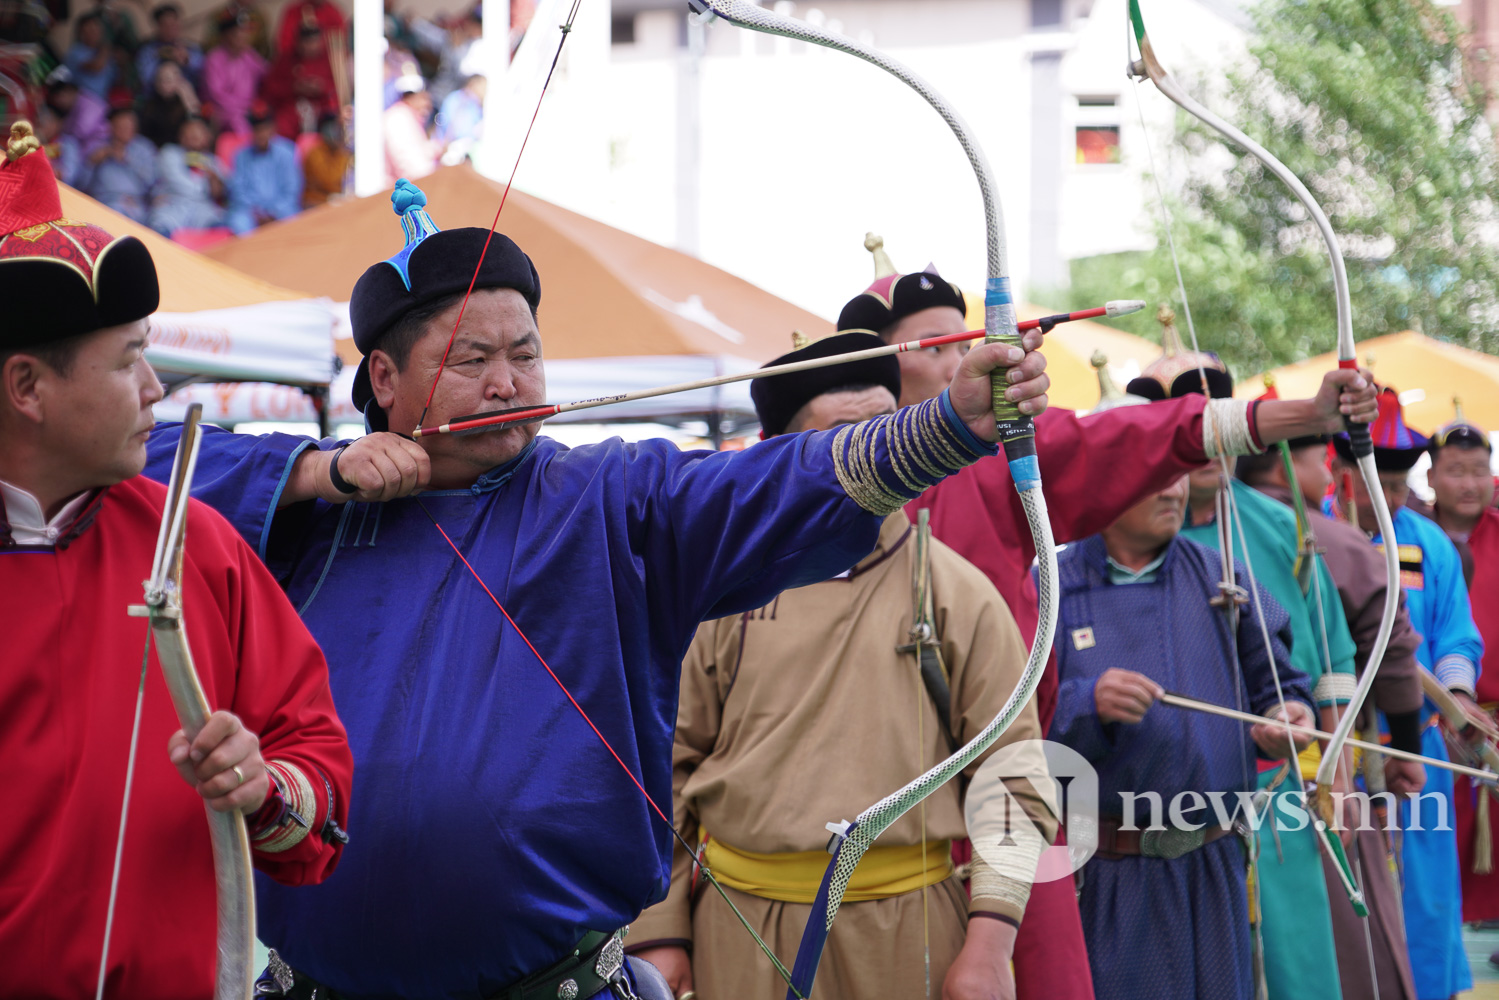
[{"x": 78, "y": 530}]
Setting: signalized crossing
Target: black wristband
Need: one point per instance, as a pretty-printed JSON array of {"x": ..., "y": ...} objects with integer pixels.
[
  {"x": 339, "y": 482},
  {"x": 1405, "y": 730}
]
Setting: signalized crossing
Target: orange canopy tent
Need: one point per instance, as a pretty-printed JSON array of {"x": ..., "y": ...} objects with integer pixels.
[
  {"x": 1428, "y": 374},
  {"x": 189, "y": 282},
  {"x": 605, "y": 293}
]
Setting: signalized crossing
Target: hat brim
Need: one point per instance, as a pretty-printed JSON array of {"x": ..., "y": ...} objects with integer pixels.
[
  {"x": 1385, "y": 459},
  {"x": 779, "y": 398}
]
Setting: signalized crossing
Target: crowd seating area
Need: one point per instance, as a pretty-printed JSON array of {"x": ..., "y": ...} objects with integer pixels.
[{"x": 205, "y": 128}]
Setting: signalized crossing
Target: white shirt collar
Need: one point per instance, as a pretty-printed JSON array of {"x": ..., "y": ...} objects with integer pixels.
[{"x": 28, "y": 523}]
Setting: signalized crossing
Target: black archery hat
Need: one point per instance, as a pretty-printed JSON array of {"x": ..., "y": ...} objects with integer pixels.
[
  {"x": 433, "y": 265},
  {"x": 779, "y": 397},
  {"x": 894, "y": 296}
]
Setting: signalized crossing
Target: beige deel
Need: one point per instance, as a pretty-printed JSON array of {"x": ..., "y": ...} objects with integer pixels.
[{"x": 802, "y": 712}]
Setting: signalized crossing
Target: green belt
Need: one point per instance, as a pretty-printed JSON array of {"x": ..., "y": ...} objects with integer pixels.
[{"x": 591, "y": 966}]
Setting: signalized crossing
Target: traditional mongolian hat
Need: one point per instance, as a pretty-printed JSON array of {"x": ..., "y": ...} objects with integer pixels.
[
  {"x": 60, "y": 278},
  {"x": 1397, "y": 447},
  {"x": 433, "y": 265},
  {"x": 894, "y": 296},
  {"x": 1109, "y": 395},
  {"x": 779, "y": 397},
  {"x": 1179, "y": 371},
  {"x": 1459, "y": 432}
]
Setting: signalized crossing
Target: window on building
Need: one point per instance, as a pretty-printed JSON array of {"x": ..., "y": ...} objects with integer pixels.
[
  {"x": 1098, "y": 144},
  {"x": 622, "y": 30},
  {"x": 1097, "y": 131}
]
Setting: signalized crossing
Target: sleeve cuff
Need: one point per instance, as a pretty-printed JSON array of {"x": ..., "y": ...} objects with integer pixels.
[
  {"x": 1226, "y": 429},
  {"x": 296, "y": 816},
  {"x": 1334, "y": 689},
  {"x": 280, "y": 488},
  {"x": 1457, "y": 673},
  {"x": 971, "y": 441},
  {"x": 884, "y": 463}
]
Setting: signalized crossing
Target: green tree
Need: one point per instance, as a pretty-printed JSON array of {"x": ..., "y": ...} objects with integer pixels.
[{"x": 1372, "y": 104}]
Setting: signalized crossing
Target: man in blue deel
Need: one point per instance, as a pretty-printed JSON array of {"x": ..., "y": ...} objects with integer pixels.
[{"x": 502, "y": 846}]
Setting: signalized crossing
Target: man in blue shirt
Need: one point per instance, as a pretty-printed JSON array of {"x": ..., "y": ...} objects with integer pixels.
[
  {"x": 1436, "y": 596},
  {"x": 121, "y": 171},
  {"x": 500, "y": 844},
  {"x": 266, "y": 184},
  {"x": 1163, "y": 902},
  {"x": 168, "y": 43},
  {"x": 91, "y": 58}
]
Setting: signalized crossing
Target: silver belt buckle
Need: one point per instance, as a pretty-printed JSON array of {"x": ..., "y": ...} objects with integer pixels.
[
  {"x": 610, "y": 967},
  {"x": 611, "y": 959}
]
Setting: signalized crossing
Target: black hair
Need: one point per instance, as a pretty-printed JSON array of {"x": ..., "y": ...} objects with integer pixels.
[
  {"x": 1255, "y": 469},
  {"x": 404, "y": 333},
  {"x": 794, "y": 424},
  {"x": 1462, "y": 439},
  {"x": 162, "y": 10},
  {"x": 58, "y": 355}
]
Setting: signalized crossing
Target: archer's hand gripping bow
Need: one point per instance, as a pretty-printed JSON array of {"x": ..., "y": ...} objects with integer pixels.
[{"x": 1017, "y": 432}]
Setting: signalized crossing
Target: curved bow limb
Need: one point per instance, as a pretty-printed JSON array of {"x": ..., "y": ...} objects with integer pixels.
[
  {"x": 235, "y": 972},
  {"x": 1149, "y": 66},
  {"x": 1017, "y": 432}
]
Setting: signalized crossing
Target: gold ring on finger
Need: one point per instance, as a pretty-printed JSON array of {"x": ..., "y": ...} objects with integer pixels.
[{"x": 238, "y": 774}]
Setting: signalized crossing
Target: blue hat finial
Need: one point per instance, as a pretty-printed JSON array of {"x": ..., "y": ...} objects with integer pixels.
[{"x": 409, "y": 202}]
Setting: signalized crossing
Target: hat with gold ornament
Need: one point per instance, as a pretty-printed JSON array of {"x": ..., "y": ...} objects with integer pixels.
[
  {"x": 435, "y": 264},
  {"x": 894, "y": 296},
  {"x": 779, "y": 397},
  {"x": 60, "y": 278},
  {"x": 1110, "y": 397},
  {"x": 1179, "y": 371},
  {"x": 1459, "y": 432}
]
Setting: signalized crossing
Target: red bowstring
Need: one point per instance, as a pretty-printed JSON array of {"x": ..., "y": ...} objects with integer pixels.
[
  {"x": 566, "y": 30},
  {"x": 542, "y": 660}
]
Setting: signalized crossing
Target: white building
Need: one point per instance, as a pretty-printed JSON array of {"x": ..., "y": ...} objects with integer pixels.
[{"x": 771, "y": 158}]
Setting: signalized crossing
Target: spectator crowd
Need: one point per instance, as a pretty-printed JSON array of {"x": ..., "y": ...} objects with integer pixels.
[{"x": 201, "y": 137}]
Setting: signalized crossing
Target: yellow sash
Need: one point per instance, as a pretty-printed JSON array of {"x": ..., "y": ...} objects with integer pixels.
[
  {"x": 1310, "y": 759},
  {"x": 794, "y": 877}
]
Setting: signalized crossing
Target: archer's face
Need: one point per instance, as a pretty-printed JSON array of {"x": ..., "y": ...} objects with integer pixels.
[
  {"x": 1462, "y": 481},
  {"x": 1394, "y": 486},
  {"x": 1312, "y": 474},
  {"x": 495, "y": 364},
  {"x": 1154, "y": 521},
  {"x": 925, "y": 373},
  {"x": 96, "y": 416}
]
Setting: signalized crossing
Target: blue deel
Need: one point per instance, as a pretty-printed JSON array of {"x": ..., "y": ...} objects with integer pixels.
[{"x": 490, "y": 827}]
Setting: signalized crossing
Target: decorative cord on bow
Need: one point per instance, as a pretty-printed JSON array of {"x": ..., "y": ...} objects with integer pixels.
[
  {"x": 1017, "y": 432},
  {"x": 1148, "y": 66},
  {"x": 235, "y": 972}
]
